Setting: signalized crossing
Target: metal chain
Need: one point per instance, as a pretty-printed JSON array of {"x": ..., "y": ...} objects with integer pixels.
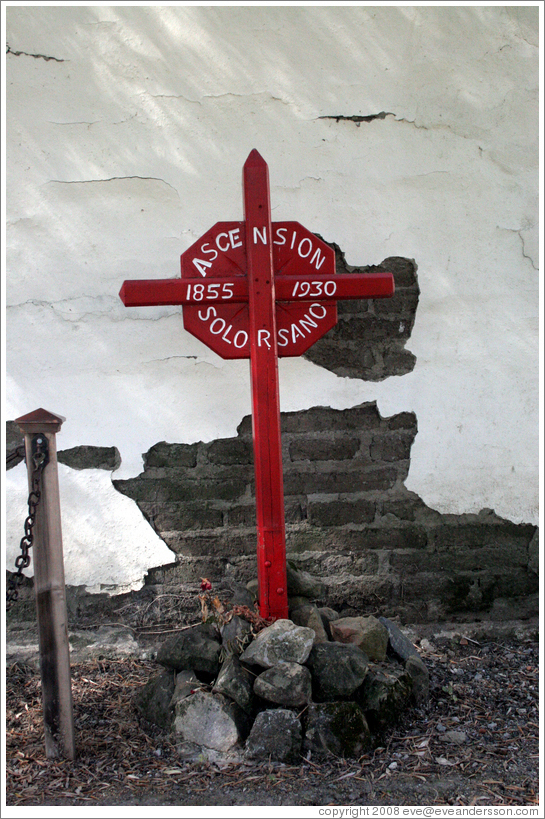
[{"x": 40, "y": 460}]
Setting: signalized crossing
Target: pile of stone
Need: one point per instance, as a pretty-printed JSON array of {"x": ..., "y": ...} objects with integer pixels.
[{"x": 316, "y": 683}]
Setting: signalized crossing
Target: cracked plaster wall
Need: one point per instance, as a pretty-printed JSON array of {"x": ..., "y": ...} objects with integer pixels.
[{"x": 391, "y": 131}]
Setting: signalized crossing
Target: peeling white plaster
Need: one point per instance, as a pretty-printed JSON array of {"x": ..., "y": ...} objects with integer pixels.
[
  {"x": 107, "y": 544},
  {"x": 128, "y": 144}
]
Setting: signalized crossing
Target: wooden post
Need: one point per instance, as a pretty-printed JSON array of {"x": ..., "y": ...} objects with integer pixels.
[
  {"x": 269, "y": 484},
  {"x": 50, "y": 589}
]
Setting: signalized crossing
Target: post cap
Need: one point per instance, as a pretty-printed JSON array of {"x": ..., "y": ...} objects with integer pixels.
[{"x": 40, "y": 420}]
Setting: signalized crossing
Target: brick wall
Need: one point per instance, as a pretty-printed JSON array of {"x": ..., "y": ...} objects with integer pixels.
[{"x": 349, "y": 520}]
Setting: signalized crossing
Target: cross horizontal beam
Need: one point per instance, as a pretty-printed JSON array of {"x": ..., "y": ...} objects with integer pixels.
[{"x": 148, "y": 293}]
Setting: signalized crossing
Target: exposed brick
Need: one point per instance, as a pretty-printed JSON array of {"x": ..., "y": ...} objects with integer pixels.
[
  {"x": 297, "y": 483},
  {"x": 361, "y": 593},
  {"x": 339, "y": 513},
  {"x": 14, "y": 443},
  {"x": 459, "y": 560},
  {"x": 167, "y": 517},
  {"x": 470, "y": 590},
  {"x": 90, "y": 457},
  {"x": 402, "y": 304},
  {"x": 462, "y": 535},
  {"x": 164, "y": 490},
  {"x": 399, "y": 361},
  {"x": 226, "y": 543},
  {"x": 163, "y": 454},
  {"x": 244, "y": 429},
  {"x": 410, "y": 560},
  {"x": 515, "y": 583},
  {"x": 392, "y": 447},
  {"x": 369, "y": 327},
  {"x": 402, "y": 509},
  {"x": 403, "y": 420},
  {"x": 348, "y": 358},
  {"x": 320, "y": 419},
  {"x": 188, "y": 570},
  {"x": 403, "y": 270},
  {"x": 353, "y": 306},
  {"x": 333, "y": 567},
  {"x": 323, "y": 449},
  {"x": 242, "y": 515},
  {"x": 230, "y": 451},
  {"x": 390, "y": 538}
]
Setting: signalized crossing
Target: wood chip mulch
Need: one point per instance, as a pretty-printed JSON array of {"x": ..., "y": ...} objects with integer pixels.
[{"x": 475, "y": 743}]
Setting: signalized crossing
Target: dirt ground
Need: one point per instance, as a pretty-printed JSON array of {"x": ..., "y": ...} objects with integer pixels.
[{"x": 474, "y": 743}]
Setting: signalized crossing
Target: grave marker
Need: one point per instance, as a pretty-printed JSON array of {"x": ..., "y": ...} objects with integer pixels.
[{"x": 261, "y": 290}]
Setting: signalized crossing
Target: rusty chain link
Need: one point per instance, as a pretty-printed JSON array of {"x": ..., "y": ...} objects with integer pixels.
[{"x": 40, "y": 459}]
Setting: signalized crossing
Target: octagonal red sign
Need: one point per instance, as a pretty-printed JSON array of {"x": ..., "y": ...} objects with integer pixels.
[{"x": 302, "y": 318}]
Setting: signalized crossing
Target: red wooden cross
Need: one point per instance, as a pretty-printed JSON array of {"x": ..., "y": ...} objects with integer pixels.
[{"x": 259, "y": 289}]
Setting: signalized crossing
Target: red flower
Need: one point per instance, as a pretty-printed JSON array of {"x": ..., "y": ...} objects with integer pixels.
[{"x": 206, "y": 585}]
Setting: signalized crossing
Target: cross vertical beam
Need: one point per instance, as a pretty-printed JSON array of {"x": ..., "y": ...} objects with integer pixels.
[{"x": 269, "y": 485}]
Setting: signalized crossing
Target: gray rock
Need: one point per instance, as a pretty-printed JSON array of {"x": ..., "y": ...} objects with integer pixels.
[
  {"x": 236, "y": 683},
  {"x": 337, "y": 670},
  {"x": 309, "y": 617},
  {"x": 110, "y": 641},
  {"x": 286, "y": 684},
  {"x": 365, "y": 632},
  {"x": 297, "y": 602},
  {"x": 197, "y": 649},
  {"x": 210, "y": 720},
  {"x": 275, "y": 734},
  {"x": 420, "y": 677},
  {"x": 455, "y": 737},
  {"x": 384, "y": 695},
  {"x": 234, "y": 593},
  {"x": 186, "y": 684},
  {"x": 153, "y": 701},
  {"x": 235, "y": 635},
  {"x": 400, "y": 645},
  {"x": 336, "y": 727},
  {"x": 283, "y": 641},
  {"x": 328, "y": 616},
  {"x": 304, "y": 584}
]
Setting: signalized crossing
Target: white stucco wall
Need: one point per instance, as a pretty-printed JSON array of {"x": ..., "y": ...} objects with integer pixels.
[{"x": 127, "y": 129}]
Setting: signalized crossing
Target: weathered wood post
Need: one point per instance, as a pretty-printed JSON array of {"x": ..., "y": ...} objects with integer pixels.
[{"x": 40, "y": 428}]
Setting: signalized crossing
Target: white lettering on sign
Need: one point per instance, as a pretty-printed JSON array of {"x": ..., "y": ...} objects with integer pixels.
[
  {"x": 240, "y": 339},
  {"x": 265, "y": 336},
  {"x": 222, "y": 242},
  {"x": 304, "y": 248},
  {"x": 280, "y": 235},
  {"x": 233, "y": 235},
  {"x": 262, "y": 237},
  {"x": 219, "y": 327},
  {"x": 203, "y": 264},
  {"x": 209, "y": 292},
  {"x": 302, "y": 244},
  {"x": 303, "y": 326},
  {"x": 315, "y": 289},
  {"x": 221, "y": 247},
  {"x": 316, "y": 260}
]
